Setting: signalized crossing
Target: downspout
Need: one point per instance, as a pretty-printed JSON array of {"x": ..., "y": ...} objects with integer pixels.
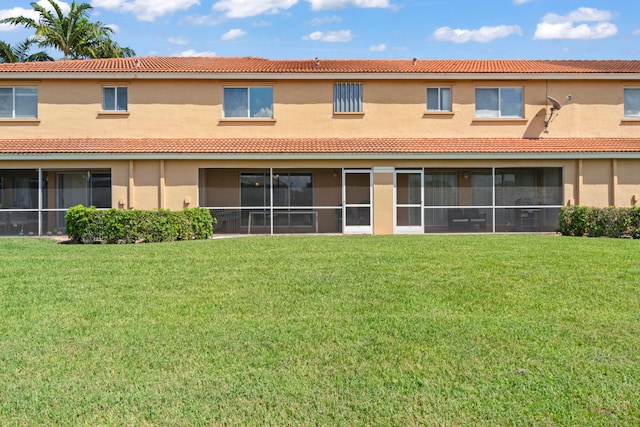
[
  {"x": 614, "y": 181},
  {"x": 580, "y": 181},
  {"x": 130, "y": 186},
  {"x": 162, "y": 184}
]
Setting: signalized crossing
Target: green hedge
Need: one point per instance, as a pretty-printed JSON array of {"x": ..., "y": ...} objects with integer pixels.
[
  {"x": 600, "y": 222},
  {"x": 90, "y": 225}
]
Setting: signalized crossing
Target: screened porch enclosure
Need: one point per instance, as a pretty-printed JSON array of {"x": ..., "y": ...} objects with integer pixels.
[
  {"x": 492, "y": 200},
  {"x": 470, "y": 200},
  {"x": 273, "y": 201},
  {"x": 35, "y": 201}
]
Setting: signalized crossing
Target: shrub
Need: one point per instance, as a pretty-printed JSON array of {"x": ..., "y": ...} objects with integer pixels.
[
  {"x": 89, "y": 225},
  {"x": 600, "y": 222}
]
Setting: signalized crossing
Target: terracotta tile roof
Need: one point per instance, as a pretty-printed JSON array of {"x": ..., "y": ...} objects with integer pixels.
[
  {"x": 318, "y": 146},
  {"x": 157, "y": 64}
]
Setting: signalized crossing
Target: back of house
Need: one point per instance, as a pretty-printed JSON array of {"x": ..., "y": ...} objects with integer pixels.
[{"x": 319, "y": 146}]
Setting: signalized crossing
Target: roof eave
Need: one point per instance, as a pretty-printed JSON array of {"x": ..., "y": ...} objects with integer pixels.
[
  {"x": 323, "y": 156},
  {"x": 128, "y": 75}
]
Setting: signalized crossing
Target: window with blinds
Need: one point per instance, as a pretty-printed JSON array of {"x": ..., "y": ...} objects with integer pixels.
[{"x": 347, "y": 98}]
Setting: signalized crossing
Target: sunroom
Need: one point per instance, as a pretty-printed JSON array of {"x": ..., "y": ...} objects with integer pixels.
[
  {"x": 479, "y": 200},
  {"x": 341, "y": 200},
  {"x": 274, "y": 201},
  {"x": 35, "y": 201}
]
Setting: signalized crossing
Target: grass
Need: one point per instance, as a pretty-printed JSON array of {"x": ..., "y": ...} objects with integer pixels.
[{"x": 322, "y": 330}]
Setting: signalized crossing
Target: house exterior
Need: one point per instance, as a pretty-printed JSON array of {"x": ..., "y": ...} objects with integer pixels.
[{"x": 320, "y": 146}]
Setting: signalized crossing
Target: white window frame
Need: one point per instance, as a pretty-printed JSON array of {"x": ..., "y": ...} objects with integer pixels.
[
  {"x": 14, "y": 98},
  {"x": 500, "y": 114},
  {"x": 115, "y": 99},
  {"x": 441, "y": 107},
  {"x": 348, "y": 98},
  {"x": 635, "y": 114},
  {"x": 248, "y": 115}
]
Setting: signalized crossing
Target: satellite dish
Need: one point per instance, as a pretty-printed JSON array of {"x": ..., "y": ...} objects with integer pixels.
[{"x": 556, "y": 104}]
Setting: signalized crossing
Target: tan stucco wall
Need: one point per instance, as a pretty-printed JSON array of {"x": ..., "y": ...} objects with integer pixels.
[
  {"x": 174, "y": 184},
  {"x": 628, "y": 185},
  {"x": 570, "y": 169},
  {"x": 596, "y": 183},
  {"x": 180, "y": 191},
  {"x": 119, "y": 183},
  {"x": 181, "y": 177},
  {"x": 191, "y": 109},
  {"x": 383, "y": 202},
  {"x": 146, "y": 177}
]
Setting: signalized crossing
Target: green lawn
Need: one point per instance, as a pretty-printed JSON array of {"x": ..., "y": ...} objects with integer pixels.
[{"x": 322, "y": 330}]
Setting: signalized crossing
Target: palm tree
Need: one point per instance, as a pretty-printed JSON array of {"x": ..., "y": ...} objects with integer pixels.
[
  {"x": 73, "y": 34},
  {"x": 20, "y": 52},
  {"x": 107, "y": 48}
]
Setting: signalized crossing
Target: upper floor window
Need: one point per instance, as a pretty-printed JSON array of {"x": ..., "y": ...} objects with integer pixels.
[
  {"x": 499, "y": 102},
  {"x": 632, "y": 102},
  {"x": 347, "y": 98},
  {"x": 438, "y": 99},
  {"x": 248, "y": 102},
  {"x": 19, "y": 102},
  {"x": 115, "y": 98}
]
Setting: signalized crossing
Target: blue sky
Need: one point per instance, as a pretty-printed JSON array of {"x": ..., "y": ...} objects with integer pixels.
[{"x": 380, "y": 29}]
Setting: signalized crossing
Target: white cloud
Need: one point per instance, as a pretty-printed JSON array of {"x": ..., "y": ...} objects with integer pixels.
[
  {"x": 325, "y": 20},
  {"x": 108, "y": 4},
  {"x": 246, "y": 8},
  {"x": 10, "y": 13},
  {"x": 204, "y": 20},
  {"x": 192, "y": 52},
  {"x": 581, "y": 14},
  {"x": 264, "y": 112},
  {"x": 378, "y": 48},
  {"x": 481, "y": 35},
  {"x": 178, "y": 41},
  {"x": 569, "y": 31},
  {"x": 330, "y": 36},
  {"x": 636, "y": 32},
  {"x": 233, "y": 34},
  {"x": 63, "y": 5},
  {"x": 114, "y": 27},
  {"x": 521, "y": 1},
  {"x": 341, "y": 4},
  {"x": 564, "y": 27},
  {"x": 29, "y": 13},
  {"x": 145, "y": 10}
]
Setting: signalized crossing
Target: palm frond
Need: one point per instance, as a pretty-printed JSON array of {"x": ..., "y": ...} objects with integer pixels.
[
  {"x": 73, "y": 34},
  {"x": 20, "y": 52}
]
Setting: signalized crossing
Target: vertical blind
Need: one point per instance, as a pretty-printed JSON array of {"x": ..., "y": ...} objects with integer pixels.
[{"x": 347, "y": 98}]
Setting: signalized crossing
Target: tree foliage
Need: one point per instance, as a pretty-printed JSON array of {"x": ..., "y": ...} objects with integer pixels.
[
  {"x": 20, "y": 52},
  {"x": 74, "y": 34}
]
